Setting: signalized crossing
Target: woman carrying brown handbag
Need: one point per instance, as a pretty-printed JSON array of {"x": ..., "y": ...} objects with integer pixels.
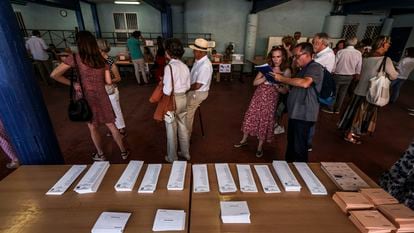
[
  {"x": 93, "y": 74},
  {"x": 176, "y": 82}
]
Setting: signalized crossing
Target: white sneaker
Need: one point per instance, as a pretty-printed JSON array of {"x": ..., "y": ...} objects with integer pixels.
[{"x": 279, "y": 130}]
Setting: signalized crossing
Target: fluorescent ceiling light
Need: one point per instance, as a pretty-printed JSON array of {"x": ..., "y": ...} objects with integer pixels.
[{"x": 128, "y": 2}]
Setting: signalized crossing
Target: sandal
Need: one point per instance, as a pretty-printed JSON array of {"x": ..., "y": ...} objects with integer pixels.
[
  {"x": 241, "y": 144},
  {"x": 353, "y": 141},
  {"x": 259, "y": 153},
  {"x": 98, "y": 157},
  {"x": 355, "y": 135},
  {"x": 125, "y": 154}
]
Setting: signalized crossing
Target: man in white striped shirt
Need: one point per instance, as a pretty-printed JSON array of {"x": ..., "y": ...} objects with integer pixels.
[{"x": 37, "y": 47}]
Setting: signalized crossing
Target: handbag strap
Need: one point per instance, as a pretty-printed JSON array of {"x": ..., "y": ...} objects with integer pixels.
[
  {"x": 72, "y": 89},
  {"x": 382, "y": 66},
  {"x": 172, "y": 80}
]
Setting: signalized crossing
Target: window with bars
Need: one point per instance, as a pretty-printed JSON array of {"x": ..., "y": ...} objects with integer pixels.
[
  {"x": 349, "y": 31},
  {"x": 125, "y": 23},
  {"x": 372, "y": 31}
]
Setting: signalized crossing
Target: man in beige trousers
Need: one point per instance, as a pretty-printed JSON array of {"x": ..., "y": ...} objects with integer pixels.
[{"x": 201, "y": 74}]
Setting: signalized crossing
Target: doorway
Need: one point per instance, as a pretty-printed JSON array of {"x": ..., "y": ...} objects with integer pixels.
[{"x": 399, "y": 37}]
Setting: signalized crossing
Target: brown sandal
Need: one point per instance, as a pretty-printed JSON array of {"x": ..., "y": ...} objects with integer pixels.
[{"x": 353, "y": 141}]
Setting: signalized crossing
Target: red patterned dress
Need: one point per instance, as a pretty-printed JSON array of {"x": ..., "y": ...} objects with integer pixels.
[
  {"x": 93, "y": 82},
  {"x": 259, "y": 119}
]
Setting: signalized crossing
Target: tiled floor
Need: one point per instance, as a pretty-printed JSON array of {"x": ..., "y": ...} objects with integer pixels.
[{"x": 222, "y": 116}]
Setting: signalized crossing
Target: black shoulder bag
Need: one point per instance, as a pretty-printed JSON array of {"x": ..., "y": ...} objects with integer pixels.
[{"x": 78, "y": 110}]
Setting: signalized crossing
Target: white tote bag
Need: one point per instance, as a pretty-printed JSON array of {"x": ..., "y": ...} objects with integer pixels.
[{"x": 379, "y": 87}]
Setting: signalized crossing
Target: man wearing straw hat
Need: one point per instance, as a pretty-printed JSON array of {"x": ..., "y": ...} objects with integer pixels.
[{"x": 201, "y": 74}]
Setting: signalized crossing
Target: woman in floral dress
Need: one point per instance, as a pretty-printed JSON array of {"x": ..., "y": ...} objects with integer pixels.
[{"x": 259, "y": 118}]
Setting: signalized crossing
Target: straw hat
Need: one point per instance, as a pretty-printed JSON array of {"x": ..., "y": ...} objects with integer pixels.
[{"x": 200, "y": 44}]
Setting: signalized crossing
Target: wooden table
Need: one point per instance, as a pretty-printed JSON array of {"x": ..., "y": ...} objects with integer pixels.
[
  {"x": 24, "y": 207},
  {"x": 287, "y": 212}
]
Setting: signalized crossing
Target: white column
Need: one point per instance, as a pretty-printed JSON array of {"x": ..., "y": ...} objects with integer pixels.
[
  {"x": 334, "y": 25},
  {"x": 387, "y": 27},
  {"x": 250, "y": 45}
]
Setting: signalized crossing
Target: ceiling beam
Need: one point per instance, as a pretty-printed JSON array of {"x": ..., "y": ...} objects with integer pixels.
[
  {"x": 259, "y": 5},
  {"x": 369, "y": 5},
  {"x": 67, "y": 4}
]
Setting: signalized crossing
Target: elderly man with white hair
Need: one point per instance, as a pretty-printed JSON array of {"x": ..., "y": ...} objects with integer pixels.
[
  {"x": 201, "y": 74},
  {"x": 348, "y": 66}
]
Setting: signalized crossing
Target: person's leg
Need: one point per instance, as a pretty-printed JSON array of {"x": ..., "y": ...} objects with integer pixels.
[
  {"x": 395, "y": 89},
  {"x": 171, "y": 132},
  {"x": 301, "y": 143},
  {"x": 42, "y": 71},
  {"x": 96, "y": 138},
  {"x": 290, "y": 156},
  {"x": 310, "y": 137},
  {"x": 194, "y": 99},
  {"x": 136, "y": 70},
  {"x": 7, "y": 147},
  {"x": 117, "y": 136},
  {"x": 183, "y": 136},
  {"x": 341, "y": 91},
  {"x": 141, "y": 64},
  {"x": 116, "y": 106}
]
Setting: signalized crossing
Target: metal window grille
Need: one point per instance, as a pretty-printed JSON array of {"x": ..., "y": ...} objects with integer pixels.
[
  {"x": 372, "y": 31},
  {"x": 125, "y": 23},
  {"x": 349, "y": 31}
]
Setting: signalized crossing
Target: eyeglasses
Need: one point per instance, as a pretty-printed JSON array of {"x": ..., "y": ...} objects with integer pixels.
[{"x": 297, "y": 56}]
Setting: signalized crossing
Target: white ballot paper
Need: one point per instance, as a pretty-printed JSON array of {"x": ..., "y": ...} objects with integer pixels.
[
  {"x": 150, "y": 180},
  {"x": 286, "y": 176},
  {"x": 314, "y": 184},
  {"x": 177, "y": 175},
  {"x": 234, "y": 212},
  {"x": 224, "y": 178},
  {"x": 66, "y": 180},
  {"x": 200, "y": 179},
  {"x": 92, "y": 179},
  {"x": 266, "y": 178},
  {"x": 169, "y": 220},
  {"x": 246, "y": 180},
  {"x": 111, "y": 222},
  {"x": 128, "y": 178}
]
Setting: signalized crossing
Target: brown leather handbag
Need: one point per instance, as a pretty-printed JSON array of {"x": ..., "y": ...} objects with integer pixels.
[
  {"x": 166, "y": 103},
  {"x": 157, "y": 93}
]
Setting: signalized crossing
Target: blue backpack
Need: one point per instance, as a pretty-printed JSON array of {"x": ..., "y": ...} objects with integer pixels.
[{"x": 327, "y": 94}]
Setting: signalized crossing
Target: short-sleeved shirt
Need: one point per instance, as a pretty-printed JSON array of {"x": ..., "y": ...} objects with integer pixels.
[
  {"x": 405, "y": 67},
  {"x": 134, "y": 47},
  {"x": 202, "y": 72},
  {"x": 37, "y": 48},
  {"x": 326, "y": 58},
  {"x": 369, "y": 70},
  {"x": 348, "y": 61},
  {"x": 302, "y": 103},
  {"x": 181, "y": 77}
]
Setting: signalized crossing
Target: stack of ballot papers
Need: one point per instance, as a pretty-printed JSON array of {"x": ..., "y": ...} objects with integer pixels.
[
  {"x": 371, "y": 221},
  {"x": 111, "y": 222},
  {"x": 93, "y": 178},
  {"x": 225, "y": 178},
  {"x": 378, "y": 196},
  {"x": 247, "y": 183},
  {"x": 286, "y": 176},
  {"x": 343, "y": 176},
  {"x": 66, "y": 181},
  {"x": 150, "y": 180},
  {"x": 351, "y": 201},
  {"x": 169, "y": 220},
  {"x": 128, "y": 178},
  {"x": 177, "y": 175},
  {"x": 234, "y": 212},
  {"x": 266, "y": 178},
  {"x": 200, "y": 179},
  {"x": 315, "y": 186},
  {"x": 400, "y": 215}
]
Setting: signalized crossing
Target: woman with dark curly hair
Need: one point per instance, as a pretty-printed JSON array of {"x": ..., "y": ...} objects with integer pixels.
[{"x": 176, "y": 82}]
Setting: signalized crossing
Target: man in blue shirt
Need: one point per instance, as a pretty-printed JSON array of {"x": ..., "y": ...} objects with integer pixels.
[{"x": 134, "y": 47}]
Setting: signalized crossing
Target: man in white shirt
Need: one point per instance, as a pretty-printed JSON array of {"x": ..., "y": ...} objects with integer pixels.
[
  {"x": 405, "y": 67},
  {"x": 348, "y": 66},
  {"x": 326, "y": 57},
  {"x": 37, "y": 47},
  {"x": 201, "y": 75}
]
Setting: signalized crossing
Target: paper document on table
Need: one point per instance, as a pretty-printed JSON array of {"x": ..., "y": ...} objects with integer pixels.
[
  {"x": 66, "y": 180},
  {"x": 169, "y": 220},
  {"x": 234, "y": 212},
  {"x": 128, "y": 178},
  {"x": 269, "y": 184},
  {"x": 343, "y": 176},
  {"x": 225, "y": 179},
  {"x": 93, "y": 178},
  {"x": 246, "y": 180},
  {"x": 177, "y": 175},
  {"x": 150, "y": 180},
  {"x": 109, "y": 222},
  {"x": 200, "y": 179},
  {"x": 314, "y": 184},
  {"x": 286, "y": 176}
]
